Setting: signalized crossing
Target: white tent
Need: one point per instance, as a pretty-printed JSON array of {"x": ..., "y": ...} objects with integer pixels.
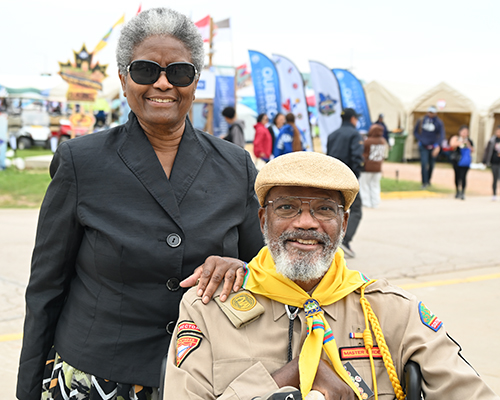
[
  {"x": 382, "y": 101},
  {"x": 454, "y": 109}
]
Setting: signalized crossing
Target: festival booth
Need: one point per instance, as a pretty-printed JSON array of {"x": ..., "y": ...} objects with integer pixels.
[
  {"x": 382, "y": 101},
  {"x": 454, "y": 109},
  {"x": 490, "y": 123}
]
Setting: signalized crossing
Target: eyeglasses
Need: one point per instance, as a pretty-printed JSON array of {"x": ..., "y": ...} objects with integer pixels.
[
  {"x": 320, "y": 208},
  {"x": 145, "y": 72}
]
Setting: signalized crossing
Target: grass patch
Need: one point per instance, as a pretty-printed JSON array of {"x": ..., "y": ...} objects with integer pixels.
[
  {"x": 23, "y": 189},
  {"x": 393, "y": 185},
  {"x": 32, "y": 152}
]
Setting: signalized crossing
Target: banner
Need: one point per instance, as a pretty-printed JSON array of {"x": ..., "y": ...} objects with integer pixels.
[
  {"x": 266, "y": 83},
  {"x": 327, "y": 95},
  {"x": 206, "y": 85},
  {"x": 293, "y": 95},
  {"x": 224, "y": 97},
  {"x": 203, "y": 26},
  {"x": 353, "y": 96}
]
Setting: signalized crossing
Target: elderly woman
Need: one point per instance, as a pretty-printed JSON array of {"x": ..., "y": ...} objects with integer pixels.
[{"x": 129, "y": 214}]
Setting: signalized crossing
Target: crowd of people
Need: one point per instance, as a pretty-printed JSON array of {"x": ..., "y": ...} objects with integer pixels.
[{"x": 138, "y": 213}]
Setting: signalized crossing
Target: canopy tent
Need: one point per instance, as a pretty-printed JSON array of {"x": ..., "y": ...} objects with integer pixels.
[
  {"x": 382, "y": 101},
  {"x": 490, "y": 123},
  {"x": 111, "y": 88},
  {"x": 454, "y": 109}
]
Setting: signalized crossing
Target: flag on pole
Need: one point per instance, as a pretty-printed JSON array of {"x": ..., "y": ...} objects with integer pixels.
[
  {"x": 266, "y": 84},
  {"x": 203, "y": 26},
  {"x": 293, "y": 95},
  {"x": 328, "y": 101},
  {"x": 104, "y": 40},
  {"x": 353, "y": 96},
  {"x": 222, "y": 31},
  {"x": 243, "y": 76}
]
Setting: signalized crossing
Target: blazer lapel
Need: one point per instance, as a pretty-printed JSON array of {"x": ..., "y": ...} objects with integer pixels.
[
  {"x": 188, "y": 162},
  {"x": 138, "y": 155}
]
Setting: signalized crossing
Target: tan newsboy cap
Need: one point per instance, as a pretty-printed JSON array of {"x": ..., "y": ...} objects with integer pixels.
[{"x": 307, "y": 169}]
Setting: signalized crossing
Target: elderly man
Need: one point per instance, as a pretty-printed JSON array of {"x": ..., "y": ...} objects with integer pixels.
[{"x": 306, "y": 321}]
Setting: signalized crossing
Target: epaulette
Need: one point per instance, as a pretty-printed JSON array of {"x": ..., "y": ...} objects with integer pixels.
[{"x": 241, "y": 308}]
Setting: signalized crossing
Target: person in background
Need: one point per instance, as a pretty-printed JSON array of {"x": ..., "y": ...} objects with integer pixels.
[
  {"x": 429, "y": 132},
  {"x": 133, "y": 215},
  {"x": 262, "y": 143},
  {"x": 274, "y": 129},
  {"x": 462, "y": 149},
  {"x": 290, "y": 138},
  {"x": 492, "y": 158},
  {"x": 4, "y": 129},
  {"x": 380, "y": 121},
  {"x": 369, "y": 181},
  {"x": 346, "y": 144},
  {"x": 235, "y": 131}
]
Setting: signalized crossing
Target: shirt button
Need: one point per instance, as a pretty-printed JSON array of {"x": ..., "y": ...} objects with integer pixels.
[
  {"x": 170, "y": 327},
  {"x": 173, "y": 284},
  {"x": 173, "y": 240}
]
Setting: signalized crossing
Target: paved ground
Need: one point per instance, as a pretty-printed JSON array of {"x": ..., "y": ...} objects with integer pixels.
[
  {"x": 444, "y": 250},
  {"x": 479, "y": 182}
]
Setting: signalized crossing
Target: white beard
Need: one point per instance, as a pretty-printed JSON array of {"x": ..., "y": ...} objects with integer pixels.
[{"x": 303, "y": 266}]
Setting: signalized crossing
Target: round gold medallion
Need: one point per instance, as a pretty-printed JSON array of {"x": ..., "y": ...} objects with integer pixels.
[{"x": 243, "y": 302}]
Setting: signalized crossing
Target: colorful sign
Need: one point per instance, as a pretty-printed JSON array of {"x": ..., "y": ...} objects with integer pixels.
[
  {"x": 266, "y": 84},
  {"x": 353, "y": 96},
  {"x": 327, "y": 92},
  {"x": 293, "y": 95},
  {"x": 224, "y": 97},
  {"x": 84, "y": 77}
]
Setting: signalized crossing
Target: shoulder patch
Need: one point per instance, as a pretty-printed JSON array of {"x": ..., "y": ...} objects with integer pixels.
[
  {"x": 428, "y": 318},
  {"x": 241, "y": 308},
  {"x": 186, "y": 326},
  {"x": 186, "y": 344},
  {"x": 243, "y": 301}
]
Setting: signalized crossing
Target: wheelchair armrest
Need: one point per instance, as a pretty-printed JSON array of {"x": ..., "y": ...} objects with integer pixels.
[
  {"x": 161, "y": 388},
  {"x": 413, "y": 380}
]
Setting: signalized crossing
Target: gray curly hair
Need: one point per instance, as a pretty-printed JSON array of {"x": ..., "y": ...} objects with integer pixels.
[{"x": 159, "y": 21}]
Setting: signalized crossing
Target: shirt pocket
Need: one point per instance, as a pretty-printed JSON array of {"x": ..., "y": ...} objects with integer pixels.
[
  {"x": 384, "y": 386},
  {"x": 225, "y": 371}
]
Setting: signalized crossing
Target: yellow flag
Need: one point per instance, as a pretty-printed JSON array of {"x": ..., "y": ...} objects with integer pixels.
[{"x": 104, "y": 40}]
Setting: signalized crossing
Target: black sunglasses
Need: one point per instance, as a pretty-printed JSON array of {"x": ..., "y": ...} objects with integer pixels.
[{"x": 145, "y": 72}]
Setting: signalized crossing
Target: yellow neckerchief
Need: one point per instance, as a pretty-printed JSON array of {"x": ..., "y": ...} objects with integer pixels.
[{"x": 338, "y": 282}]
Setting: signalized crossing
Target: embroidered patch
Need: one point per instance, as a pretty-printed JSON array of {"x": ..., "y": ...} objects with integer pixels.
[
  {"x": 243, "y": 302},
  {"x": 187, "y": 327},
  {"x": 428, "y": 318},
  {"x": 311, "y": 307},
  {"x": 186, "y": 345},
  {"x": 363, "y": 388},
  {"x": 358, "y": 353}
]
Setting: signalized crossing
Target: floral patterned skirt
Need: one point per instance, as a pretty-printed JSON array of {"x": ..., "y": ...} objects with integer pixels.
[{"x": 61, "y": 381}]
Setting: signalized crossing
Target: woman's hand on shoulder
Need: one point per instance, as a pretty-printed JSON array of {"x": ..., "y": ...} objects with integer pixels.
[{"x": 212, "y": 272}]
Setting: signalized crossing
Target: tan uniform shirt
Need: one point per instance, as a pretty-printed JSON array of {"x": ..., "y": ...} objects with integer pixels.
[{"x": 222, "y": 362}]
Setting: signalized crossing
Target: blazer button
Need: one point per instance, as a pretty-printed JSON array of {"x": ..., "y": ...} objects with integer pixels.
[
  {"x": 170, "y": 327},
  {"x": 173, "y": 284},
  {"x": 173, "y": 240}
]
